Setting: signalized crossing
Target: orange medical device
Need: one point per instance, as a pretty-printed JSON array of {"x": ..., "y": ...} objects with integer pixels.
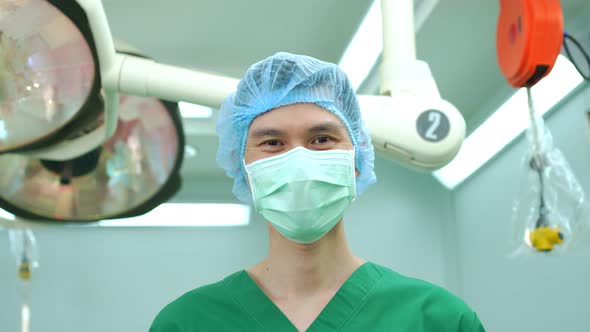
[{"x": 528, "y": 39}]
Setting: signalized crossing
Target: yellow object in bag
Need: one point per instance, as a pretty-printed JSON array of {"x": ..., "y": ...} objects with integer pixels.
[{"x": 545, "y": 238}]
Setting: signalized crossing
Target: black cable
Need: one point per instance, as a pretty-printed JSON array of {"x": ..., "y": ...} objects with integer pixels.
[{"x": 567, "y": 37}]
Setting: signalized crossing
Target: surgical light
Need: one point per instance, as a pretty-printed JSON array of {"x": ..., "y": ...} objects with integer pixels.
[
  {"x": 130, "y": 174},
  {"x": 96, "y": 111},
  {"x": 49, "y": 79},
  {"x": 57, "y": 167},
  {"x": 437, "y": 128}
]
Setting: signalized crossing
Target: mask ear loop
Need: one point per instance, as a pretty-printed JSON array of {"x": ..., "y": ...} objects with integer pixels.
[
  {"x": 354, "y": 175},
  {"x": 247, "y": 176}
]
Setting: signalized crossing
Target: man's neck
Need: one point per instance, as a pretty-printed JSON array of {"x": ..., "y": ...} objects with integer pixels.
[{"x": 294, "y": 270}]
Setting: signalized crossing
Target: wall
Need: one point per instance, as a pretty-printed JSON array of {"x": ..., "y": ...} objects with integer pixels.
[
  {"x": 524, "y": 294},
  {"x": 104, "y": 279}
]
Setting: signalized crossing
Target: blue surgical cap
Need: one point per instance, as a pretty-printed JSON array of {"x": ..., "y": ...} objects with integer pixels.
[{"x": 285, "y": 79}]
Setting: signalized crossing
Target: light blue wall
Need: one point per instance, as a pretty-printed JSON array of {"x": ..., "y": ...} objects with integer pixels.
[
  {"x": 542, "y": 294},
  {"x": 96, "y": 279},
  {"x": 401, "y": 223}
]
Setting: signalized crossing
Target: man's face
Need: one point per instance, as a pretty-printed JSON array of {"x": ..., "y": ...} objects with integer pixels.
[{"x": 286, "y": 127}]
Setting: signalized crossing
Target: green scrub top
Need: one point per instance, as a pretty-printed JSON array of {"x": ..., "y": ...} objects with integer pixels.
[{"x": 373, "y": 298}]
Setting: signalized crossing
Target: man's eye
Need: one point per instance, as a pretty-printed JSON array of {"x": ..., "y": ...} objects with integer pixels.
[
  {"x": 272, "y": 142},
  {"x": 322, "y": 140}
]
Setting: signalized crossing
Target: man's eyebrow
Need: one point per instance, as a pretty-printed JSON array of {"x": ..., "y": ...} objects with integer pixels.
[
  {"x": 266, "y": 132},
  {"x": 326, "y": 127}
]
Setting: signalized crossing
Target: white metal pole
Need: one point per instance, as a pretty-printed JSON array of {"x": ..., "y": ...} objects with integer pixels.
[
  {"x": 101, "y": 33},
  {"x": 399, "y": 45},
  {"x": 536, "y": 125},
  {"x": 144, "y": 77}
]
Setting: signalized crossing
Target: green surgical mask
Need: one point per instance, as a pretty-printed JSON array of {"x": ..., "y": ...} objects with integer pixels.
[{"x": 303, "y": 193}]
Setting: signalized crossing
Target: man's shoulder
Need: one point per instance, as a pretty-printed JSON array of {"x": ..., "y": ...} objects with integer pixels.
[
  {"x": 195, "y": 302},
  {"x": 435, "y": 302},
  {"x": 401, "y": 285}
]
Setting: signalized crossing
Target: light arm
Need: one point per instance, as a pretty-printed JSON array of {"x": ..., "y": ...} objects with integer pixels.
[{"x": 410, "y": 122}]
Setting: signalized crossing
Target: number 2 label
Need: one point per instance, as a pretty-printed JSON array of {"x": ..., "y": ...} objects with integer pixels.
[{"x": 434, "y": 119}]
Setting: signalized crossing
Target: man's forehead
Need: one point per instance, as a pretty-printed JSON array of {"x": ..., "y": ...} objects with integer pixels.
[{"x": 298, "y": 116}]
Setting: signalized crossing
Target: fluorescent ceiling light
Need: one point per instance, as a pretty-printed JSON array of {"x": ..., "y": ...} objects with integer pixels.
[
  {"x": 6, "y": 215},
  {"x": 187, "y": 215},
  {"x": 509, "y": 121},
  {"x": 363, "y": 51},
  {"x": 190, "y": 151},
  {"x": 194, "y": 111},
  {"x": 3, "y": 132}
]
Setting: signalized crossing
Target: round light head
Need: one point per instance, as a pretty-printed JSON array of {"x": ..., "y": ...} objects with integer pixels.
[
  {"x": 48, "y": 73},
  {"x": 130, "y": 174}
]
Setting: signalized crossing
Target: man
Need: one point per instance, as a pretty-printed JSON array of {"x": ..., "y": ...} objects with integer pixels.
[{"x": 292, "y": 139}]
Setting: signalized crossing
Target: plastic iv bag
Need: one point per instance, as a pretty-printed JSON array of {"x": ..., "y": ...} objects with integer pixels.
[
  {"x": 549, "y": 212},
  {"x": 24, "y": 249}
]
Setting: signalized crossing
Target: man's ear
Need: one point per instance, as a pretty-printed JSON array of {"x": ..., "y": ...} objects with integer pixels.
[{"x": 356, "y": 171}]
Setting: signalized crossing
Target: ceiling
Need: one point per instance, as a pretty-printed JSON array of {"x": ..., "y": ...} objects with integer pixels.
[{"x": 226, "y": 37}]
